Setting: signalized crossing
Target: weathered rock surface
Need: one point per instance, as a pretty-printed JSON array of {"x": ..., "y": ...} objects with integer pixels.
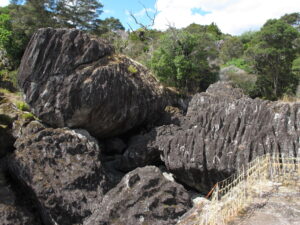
[
  {"x": 223, "y": 130},
  {"x": 144, "y": 196},
  {"x": 11, "y": 211},
  {"x": 61, "y": 169},
  {"x": 73, "y": 80}
]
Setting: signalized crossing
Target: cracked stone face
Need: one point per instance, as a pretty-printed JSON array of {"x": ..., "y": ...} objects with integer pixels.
[{"x": 70, "y": 79}]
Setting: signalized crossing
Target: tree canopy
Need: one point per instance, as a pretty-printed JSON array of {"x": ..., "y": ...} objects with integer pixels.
[
  {"x": 182, "y": 61},
  {"x": 273, "y": 53},
  {"x": 20, "y": 19}
]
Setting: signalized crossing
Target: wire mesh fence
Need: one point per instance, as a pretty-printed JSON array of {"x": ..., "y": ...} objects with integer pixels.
[{"x": 231, "y": 195}]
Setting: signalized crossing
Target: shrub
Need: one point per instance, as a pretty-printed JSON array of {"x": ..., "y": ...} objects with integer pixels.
[
  {"x": 240, "y": 63},
  {"x": 8, "y": 80}
]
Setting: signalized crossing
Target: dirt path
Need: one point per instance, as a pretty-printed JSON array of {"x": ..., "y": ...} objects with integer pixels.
[{"x": 279, "y": 207}]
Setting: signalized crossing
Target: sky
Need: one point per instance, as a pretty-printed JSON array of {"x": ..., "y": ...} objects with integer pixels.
[{"x": 231, "y": 16}]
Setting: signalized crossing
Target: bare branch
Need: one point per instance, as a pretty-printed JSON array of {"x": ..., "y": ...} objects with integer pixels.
[
  {"x": 130, "y": 27},
  {"x": 151, "y": 18},
  {"x": 136, "y": 20}
]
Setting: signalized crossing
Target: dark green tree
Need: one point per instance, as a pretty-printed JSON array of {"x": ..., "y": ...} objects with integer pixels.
[
  {"x": 231, "y": 48},
  {"x": 80, "y": 14},
  {"x": 12, "y": 39},
  {"x": 292, "y": 19},
  {"x": 107, "y": 25},
  {"x": 181, "y": 62},
  {"x": 273, "y": 53}
]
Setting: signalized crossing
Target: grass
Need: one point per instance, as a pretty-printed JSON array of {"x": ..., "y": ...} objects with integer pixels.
[
  {"x": 289, "y": 98},
  {"x": 22, "y": 106},
  {"x": 5, "y": 91},
  {"x": 28, "y": 116}
]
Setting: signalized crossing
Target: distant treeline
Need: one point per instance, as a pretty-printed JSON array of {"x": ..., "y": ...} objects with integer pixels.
[{"x": 188, "y": 59}]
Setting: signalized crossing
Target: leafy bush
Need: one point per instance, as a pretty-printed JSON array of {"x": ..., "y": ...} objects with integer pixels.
[
  {"x": 181, "y": 61},
  {"x": 232, "y": 48},
  {"x": 245, "y": 81},
  {"x": 240, "y": 63},
  {"x": 272, "y": 53},
  {"x": 296, "y": 66},
  {"x": 8, "y": 80}
]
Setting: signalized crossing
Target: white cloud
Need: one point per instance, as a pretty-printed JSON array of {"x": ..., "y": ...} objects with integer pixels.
[
  {"x": 232, "y": 16},
  {"x": 4, "y": 2}
]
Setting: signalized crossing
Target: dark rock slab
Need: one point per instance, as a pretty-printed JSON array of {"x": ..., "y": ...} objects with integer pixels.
[
  {"x": 222, "y": 131},
  {"x": 74, "y": 80},
  {"x": 144, "y": 196},
  {"x": 61, "y": 169}
]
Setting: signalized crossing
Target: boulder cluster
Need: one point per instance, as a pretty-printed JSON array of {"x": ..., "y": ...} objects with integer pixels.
[{"x": 111, "y": 146}]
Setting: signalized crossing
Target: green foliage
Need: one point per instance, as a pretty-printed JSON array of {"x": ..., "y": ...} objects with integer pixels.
[
  {"x": 245, "y": 81},
  {"x": 211, "y": 30},
  {"x": 240, "y": 63},
  {"x": 296, "y": 65},
  {"x": 28, "y": 116},
  {"x": 21, "y": 19},
  {"x": 8, "y": 80},
  {"x": 5, "y": 91},
  {"x": 231, "y": 48},
  {"x": 181, "y": 62},
  {"x": 139, "y": 44},
  {"x": 108, "y": 25},
  {"x": 22, "y": 106},
  {"x": 247, "y": 37},
  {"x": 80, "y": 14},
  {"x": 292, "y": 19},
  {"x": 272, "y": 53},
  {"x": 132, "y": 69},
  {"x": 13, "y": 39},
  {"x": 5, "y": 30}
]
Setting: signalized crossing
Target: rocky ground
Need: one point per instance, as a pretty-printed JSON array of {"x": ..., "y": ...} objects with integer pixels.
[
  {"x": 280, "y": 206},
  {"x": 108, "y": 145}
]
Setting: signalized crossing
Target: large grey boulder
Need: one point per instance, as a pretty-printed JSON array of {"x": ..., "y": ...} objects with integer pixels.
[
  {"x": 225, "y": 130},
  {"x": 73, "y": 80},
  {"x": 61, "y": 168},
  {"x": 222, "y": 131},
  {"x": 144, "y": 196}
]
